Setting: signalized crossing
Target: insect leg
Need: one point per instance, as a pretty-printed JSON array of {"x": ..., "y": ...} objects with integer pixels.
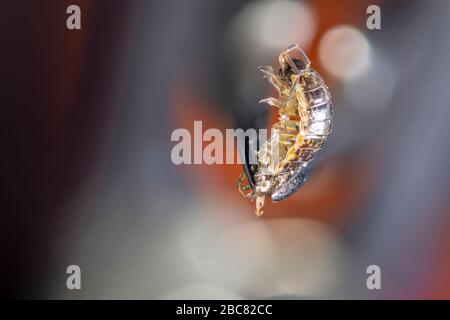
[
  {"x": 272, "y": 101},
  {"x": 277, "y": 102},
  {"x": 282, "y": 104},
  {"x": 292, "y": 90},
  {"x": 291, "y": 186},
  {"x": 276, "y": 82},
  {"x": 285, "y": 58},
  {"x": 241, "y": 188}
]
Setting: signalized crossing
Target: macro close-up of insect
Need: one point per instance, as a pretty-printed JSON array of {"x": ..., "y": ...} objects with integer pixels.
[{"x": 304, "y": 122}]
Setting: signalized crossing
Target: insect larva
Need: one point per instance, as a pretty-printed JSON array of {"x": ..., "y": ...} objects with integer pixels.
[{"x": 304, "y": 122}]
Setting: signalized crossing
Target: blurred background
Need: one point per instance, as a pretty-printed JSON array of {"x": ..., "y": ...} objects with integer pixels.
[{"x": 87, "y": 177}]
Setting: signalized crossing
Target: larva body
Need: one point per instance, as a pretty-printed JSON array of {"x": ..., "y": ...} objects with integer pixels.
[{"x": 304, "y": 122}]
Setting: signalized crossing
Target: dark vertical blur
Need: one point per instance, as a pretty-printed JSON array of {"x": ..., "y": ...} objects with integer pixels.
[{"x": 58, "y": 100}]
